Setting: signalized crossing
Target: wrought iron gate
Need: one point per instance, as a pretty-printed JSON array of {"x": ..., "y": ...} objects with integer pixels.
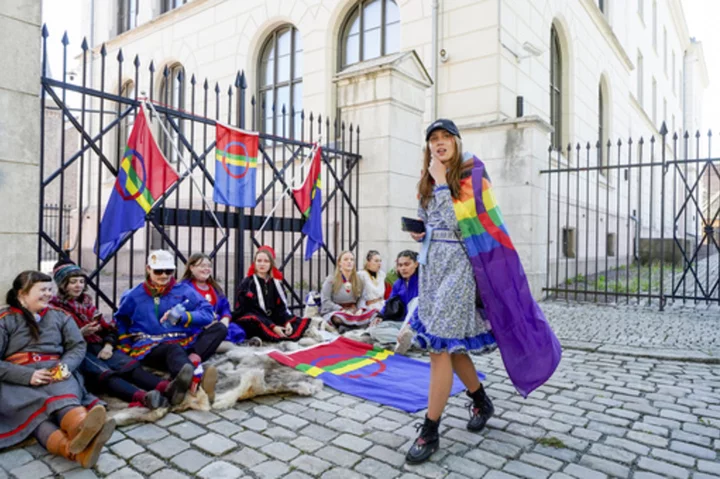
[
  {"x": 81, "y": 155},
  {"x": 635, "y": 220}
]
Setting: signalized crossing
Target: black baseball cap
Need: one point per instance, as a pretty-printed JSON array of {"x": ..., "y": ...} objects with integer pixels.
[{"x": 442, "y": 124}]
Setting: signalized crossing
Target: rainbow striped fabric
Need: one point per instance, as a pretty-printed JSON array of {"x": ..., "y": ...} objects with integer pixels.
[{"x": 529, "y": 348}]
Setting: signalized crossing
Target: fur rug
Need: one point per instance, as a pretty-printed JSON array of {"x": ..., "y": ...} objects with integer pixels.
[{"x": 243, "y": 373}]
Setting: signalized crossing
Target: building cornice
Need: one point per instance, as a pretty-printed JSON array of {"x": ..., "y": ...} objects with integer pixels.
[
  {"x": 515, "y": 123},
  {"x": 678, "y": 17},
  {"x": 604, "y": 27}
]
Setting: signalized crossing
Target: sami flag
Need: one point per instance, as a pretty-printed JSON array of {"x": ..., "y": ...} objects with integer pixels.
[
  {"x": 368, "y": 372},
  {"x": 309, "y": 198},
  {"x": 143, "y": 177},
  {"x": 236, "y": 153}
]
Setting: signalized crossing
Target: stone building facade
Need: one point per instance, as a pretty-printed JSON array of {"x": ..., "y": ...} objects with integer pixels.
[{"x": 516, "y": 76}]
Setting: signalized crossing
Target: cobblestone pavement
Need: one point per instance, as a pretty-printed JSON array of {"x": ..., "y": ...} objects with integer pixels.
[{"x": 601, "y": 415}]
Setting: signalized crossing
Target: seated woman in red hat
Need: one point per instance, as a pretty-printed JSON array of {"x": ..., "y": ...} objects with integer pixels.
[
  {"x": 106, "y": 369},
  {"x": 261, "y": 307},
  {"x": 41, "y": 391}
]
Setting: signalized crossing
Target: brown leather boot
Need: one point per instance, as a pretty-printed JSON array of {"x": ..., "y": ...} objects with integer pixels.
[
  {"x": 208, "y": 382},
  {"x": 82, "y": 426},
  {"x": 59, "y": 444}
]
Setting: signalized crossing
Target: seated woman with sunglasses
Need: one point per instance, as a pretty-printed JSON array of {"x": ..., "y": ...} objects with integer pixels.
[
  {"x": 41, "y": 392},
  {"x": 167, "y": 325}
]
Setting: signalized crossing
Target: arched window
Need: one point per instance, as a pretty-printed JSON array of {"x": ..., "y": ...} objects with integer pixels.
[
  {"x": 556, "y": 66},
  {"x": 172, "y": 94},
  {"x": 280, "y": 78},
  {"x": 371, "y": 30}
]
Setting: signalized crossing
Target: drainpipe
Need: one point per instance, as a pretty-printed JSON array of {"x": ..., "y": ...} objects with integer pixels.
[{"x": 434, "y": 50}]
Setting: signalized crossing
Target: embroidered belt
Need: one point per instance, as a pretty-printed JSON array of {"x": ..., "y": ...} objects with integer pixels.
[
  {"x": 373, "y": 301},
  {"x": 444, "y": 235},
  {"x": 348, "y": 305},
  {"x": 28, "y": 358}
]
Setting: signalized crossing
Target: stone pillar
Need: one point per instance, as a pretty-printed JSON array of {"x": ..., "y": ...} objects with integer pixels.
[
  {"x": 19, "y": 138},
  {"x": 386, "y": 98},
  {"x": 514, "y": 151}
]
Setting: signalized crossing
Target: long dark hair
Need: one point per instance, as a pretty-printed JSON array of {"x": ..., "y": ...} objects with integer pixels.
[
  {"x": 194, "y": 260},
  {"x": 22, "y": 285}
]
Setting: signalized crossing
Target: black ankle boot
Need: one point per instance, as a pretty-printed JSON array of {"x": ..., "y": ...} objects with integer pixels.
[
  {"x": 481, "y": 409},
  {"x": 426, "y": 443}
]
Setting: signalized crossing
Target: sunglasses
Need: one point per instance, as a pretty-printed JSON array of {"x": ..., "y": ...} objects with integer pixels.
[{"x": 160, "y": 272}]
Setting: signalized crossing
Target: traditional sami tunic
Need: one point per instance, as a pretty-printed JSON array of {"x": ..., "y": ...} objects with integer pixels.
[
  {"x": 139, "y": 314},
  {"x": 405, "y": 289},
  {"x": 339, "y": 304},
  {"x": 24, "y": 407},
  {"x": 373, "y": 290},
  {"x": 83, "y": 311},
  {"x": 261, "y": 305}
]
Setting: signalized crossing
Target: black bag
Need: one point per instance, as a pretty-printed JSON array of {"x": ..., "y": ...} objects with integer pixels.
[{"x": 394, "y": 309}]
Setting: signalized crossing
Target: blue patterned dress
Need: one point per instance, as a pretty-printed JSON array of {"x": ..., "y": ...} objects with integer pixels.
[{"x": 448, "y": 318}]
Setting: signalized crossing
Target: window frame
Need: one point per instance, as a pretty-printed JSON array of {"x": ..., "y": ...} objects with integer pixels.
[
  {"x": 291, "y": 82},
  {"x": 169, "y": 100},
  {"x": 556, "y": 89},
  {"x": 125, "y": 19},
  {"x": 170, "y": 5},
  {"x": 359, "y": 8}
]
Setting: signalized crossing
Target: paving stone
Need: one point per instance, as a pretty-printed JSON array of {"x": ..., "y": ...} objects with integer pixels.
[
  {"x": 127, "y": 448},
  {"x": 353, "y": 443},
  {"x": 663, "y": 468},
  {"x": 343, "y": 424},
  {"x": 373, "y": 468},
  {"x": 80, "y": 474},
  {"x": 400, "y": 418},
  {"x": 281, "y": 451},
  {"x": 691, "y": 438},
  {"x": 646, "y": 475},
  {"x": 632, "y": 446},
  {"x": 108, "y": 463},
  {"x": 354, "y": 414},
  {"x": 674, "y": 457},
  {"x": 319, "y": 433},
  {"x": 57, "y": 464},
  {"x": 693, "y": 450},
  {"x": 500, "y": 448},
  {"x": 311, "y": 465},
  {"x": 708, "y": 466},
  {"x": 383, "y": 424},
  {"x": 677, "y": 415},
  {"x": 541, "y": 460},
  {"x": 191, "y": 461},
  {"x": 502, "y": 475},
  {"x": 525, "y": 470},
  {"x": 386, "y": 439},
  {"x": 661, "y": 421},
  {"x": 702, "y": 430},
  {"x": 226, "y": 428},
  {"x": 306, "y": 444},
  {"x": 291, "y": 407},
  {"x": 235, "y": 415},
  {"x": 289, "y": 421},
  {"x": 147, "y": 463},
  {"x": 341, "y": 473},
  {"x": 603, "y": 465},
  {"x": 117, "y": 436},
  {"x": 486, "y": 458},
  {"x": 15, "y": 458},
  {"x": 553, "y": 425},
  {"x": 252, "y": 439},
  {"x": 270, "y": 470},
  {"x": 386, "y": 455},
  {"x": 613, "y": 453},
  {"x": 583, "y": 472},
  {"x": 169, "y": 420},
  {"x": 34, "y": 469},
  {"x": 465, "y": 466},
  {"x": 246, "y": 457},
  {"x": 168, "y": 474},
  {"x": 369, "y": 408},
  {"x": 169, "y": 446},
  {"x": 583, "y": 433},
  {"x": 606, "y": 428},
  {"x": 215, "y": 444},
  {"x": 255, "y": 423},
  {"x": 606, "y": 418},
  {"x": 531, "y": 432},
  {"x": 641, "y": 408},
  {"x": 338, "y": 456},
  {"x": 187, "y": 430},
  {"x": 125, "y": 473},
  {"x": 220, "y": 470},
  {"x": 463, "y": 435},
  {"x": 147, "y": 434},
  {"x": 297, "y": 475},
  {"x": 201, "y": 417}
]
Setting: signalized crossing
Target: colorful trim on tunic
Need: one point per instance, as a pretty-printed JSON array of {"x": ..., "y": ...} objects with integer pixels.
[{"x": 34, "y": 415}]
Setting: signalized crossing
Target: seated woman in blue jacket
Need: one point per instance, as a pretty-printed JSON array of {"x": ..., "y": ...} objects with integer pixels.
[{"x": 167, "y": 325}]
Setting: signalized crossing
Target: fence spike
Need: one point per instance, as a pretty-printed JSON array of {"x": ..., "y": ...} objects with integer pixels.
[
  {"x": 641, "y": 141},
  {"x": 192, "y": 80},
  {"x": 136, "y": 62},
  {"x": 181, "y": 75},
  {"x": 630, "y": 141},
  {"x": 550, "y": 149},
  {"x": 45, "y": 32},
  {"x": 217, "y": 87},
  {"x": 587, "y": 146},
  {"x": 609, "y": 143},
  {"x": 166, "y": 71},
  {"x": 357, "y": 129},
  {"x": 598, "y": 144},
  {"x": 66, "y": 40},
  {"x": 243, "y": 80},
  {"x": 652, "y": 139},
  {"x": 697, "y": 134},
  {"x": 282, "y": 110},
  {"x": 103, "y": 50},
  {"x": 151, "y": 67},
  {"x": 686, "y": 135},
  {"x": 84, "y": 44},
  {"x": 675, "y": 136},
  {"x": 205, "y": 84},
  {"x": 230, "y": 89},
  {"x": 120, "y": 57},
  {"x": 252, "y": 101},
  {"x": 237, "y": 79},
  {"x": 302, "y": 114},
  {"x": 663, "y": 129},
  {"x": 709, "y": 132},
  {"x": 577, "y": 147},
  {"x": 619, "y": 142}
]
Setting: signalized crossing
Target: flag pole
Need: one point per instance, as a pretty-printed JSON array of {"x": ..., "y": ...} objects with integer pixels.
[
  {"x": 187, "y": 172},
  {"x": 291, "y": 183}
]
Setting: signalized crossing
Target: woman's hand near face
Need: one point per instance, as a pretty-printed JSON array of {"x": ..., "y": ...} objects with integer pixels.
[{"x": 437, "y": 171}]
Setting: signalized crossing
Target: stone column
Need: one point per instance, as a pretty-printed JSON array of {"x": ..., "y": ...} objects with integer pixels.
[
  {"x": 19, "y": 138},
  {"x": 385, "y": 97},
  {"x": 514, "y": 151}
]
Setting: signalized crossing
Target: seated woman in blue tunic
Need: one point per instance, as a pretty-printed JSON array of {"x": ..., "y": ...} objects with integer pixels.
[
  {"x": 167, "y": 325},
  {"x": 41, "y": 392},
  {"x": 106, "y": 369}
]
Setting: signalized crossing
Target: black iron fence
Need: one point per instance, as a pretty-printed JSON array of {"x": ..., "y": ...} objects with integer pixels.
[
  {"x": 102, "y": 114},
  {"x": 635, "y": 220},
  {"x": 56, "y": 219}
]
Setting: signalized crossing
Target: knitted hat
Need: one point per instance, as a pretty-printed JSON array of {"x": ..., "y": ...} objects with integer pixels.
[{"x": 65, "y": 268}]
